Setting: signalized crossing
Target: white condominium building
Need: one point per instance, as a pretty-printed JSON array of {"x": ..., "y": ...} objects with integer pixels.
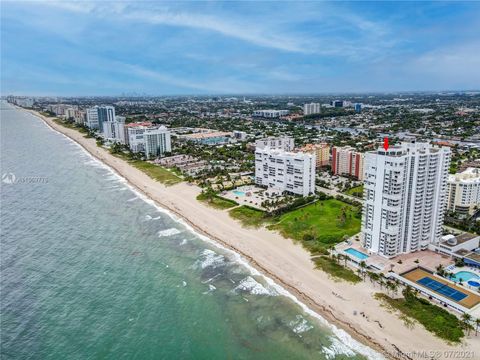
[
  {"x": 405, "y": 193},
  {"x": 97, "y": 115},
  {"x": 134, "y": 135},
  {"x": 464, "y": 191},
  {"x": 270, "y": 113},
  {"x": 115, "y": 130},
  {"x": 312, "y": 108},
  {"x": 284, "y": 143},
  {"x": 157, "y": 142},
  {"x": 285, "y": 171}
]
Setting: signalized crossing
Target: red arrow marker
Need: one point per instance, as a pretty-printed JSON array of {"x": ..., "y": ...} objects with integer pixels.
[{"x": 385, "y": 143}]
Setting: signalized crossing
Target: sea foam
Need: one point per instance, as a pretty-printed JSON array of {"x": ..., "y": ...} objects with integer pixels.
[
  {"x": 250, "y": 285},
  {"x": 344, "y": 339},
  {"x": 168, "y": 232}
]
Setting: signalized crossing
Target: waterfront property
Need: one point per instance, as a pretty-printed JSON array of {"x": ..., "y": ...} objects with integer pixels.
[
  {"x": 404, "y": 192},
  {"x": 285, "y": 171},
  {"x": 357, "y": 255},
  {"x": 442, "y": 290},
  {"x": 157, "y": 142}
]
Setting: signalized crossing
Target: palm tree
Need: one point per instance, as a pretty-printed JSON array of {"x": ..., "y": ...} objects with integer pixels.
[
  {"x": 363, "y": 266},
  {"x": 477, "y": 324},
  {"x": 466, "y": 318}
]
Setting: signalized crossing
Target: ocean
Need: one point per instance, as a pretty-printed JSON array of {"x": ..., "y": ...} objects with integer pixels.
[{"x": 90, "y": 269}]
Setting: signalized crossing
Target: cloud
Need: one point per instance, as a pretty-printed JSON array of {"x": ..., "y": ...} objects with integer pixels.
[
  {"x": 231, "y": 27},
  {"x": 457, "y": 64}
]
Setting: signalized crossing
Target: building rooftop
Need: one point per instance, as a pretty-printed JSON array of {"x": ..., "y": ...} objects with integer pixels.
[{"x": 135, "y": 124}]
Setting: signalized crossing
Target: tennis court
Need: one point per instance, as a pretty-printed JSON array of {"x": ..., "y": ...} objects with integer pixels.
[
  {"x": 423, "y": 279},
  {"x": 443, "y": 289}
]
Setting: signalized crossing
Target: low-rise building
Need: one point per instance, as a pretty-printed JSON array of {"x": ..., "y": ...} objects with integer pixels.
[
  {"x": 270, "y": 114},
  {"x": 240, "y": 135},
  {"x": 285, "y": 171},
  {"x": 451, "y": 244},
  {"x": 208, "y": 138},
  {"x": 464, "y": 192}
]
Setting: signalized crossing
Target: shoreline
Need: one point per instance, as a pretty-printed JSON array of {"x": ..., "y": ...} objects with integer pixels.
[{"x": 288, "y": 271}]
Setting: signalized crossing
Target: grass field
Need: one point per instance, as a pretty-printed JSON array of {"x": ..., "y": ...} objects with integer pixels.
[
  {"x": 356, "y": 191},
  {"x": 217, "y": 202},
  {"x": 156, "y": 172},
  {"x": 320, "y": 225},
  {"x": 248, "y": 216},
  {"x": 336, "y": 271},
  {"x": 434, "y": 318}
]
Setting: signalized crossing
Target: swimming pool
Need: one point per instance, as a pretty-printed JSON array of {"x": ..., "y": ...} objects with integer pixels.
[
  {"x": 356, "y": 253},
  {"x": 239, "y": 193},
  {"x": 473, "y": 283},
  {"x": 465, "y": 276}
]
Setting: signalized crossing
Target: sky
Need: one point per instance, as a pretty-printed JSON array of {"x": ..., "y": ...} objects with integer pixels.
[{"x": 70, "y": 48}]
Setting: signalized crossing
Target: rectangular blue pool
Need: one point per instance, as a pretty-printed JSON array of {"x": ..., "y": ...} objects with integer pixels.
[
  {"x": 442, "y": 288},
  {"x": 356, "y": 253}
]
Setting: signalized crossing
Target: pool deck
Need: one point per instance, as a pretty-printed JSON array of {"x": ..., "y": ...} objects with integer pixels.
[
  {"x": 469, "y": 302},
  {"x": 402, "y": 263}
]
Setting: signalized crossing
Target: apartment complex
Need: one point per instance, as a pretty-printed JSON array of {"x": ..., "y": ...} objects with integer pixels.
[
  {"x": 464, "y": 192},
  {"x": 346, "y": 161},
  {"x": 321, "y": 151},
  {"x": 312, "y": 108},
  {"x": 405, "y": 193},
  {"x": 270, "y": 113},
  {"x": 97, "y": 115},
  {"x": 284, "y": 143},
  {"x": 134, "y": 135},
  {"x": 115, "y": 130},
  {"x": 285, "y": 171},
  {"x": 157, "y": 142}
]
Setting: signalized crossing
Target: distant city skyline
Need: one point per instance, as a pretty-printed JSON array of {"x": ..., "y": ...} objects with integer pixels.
[{"x": 212, "y": 48}]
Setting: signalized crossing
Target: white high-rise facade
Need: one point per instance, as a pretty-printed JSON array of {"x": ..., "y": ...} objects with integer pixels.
[
  {"x": 284, "y": 143},
  {"x": 405, "y": 192},
  {"x": 115, "y": 130},
  {"x": 157, "y": 142},
  {"x": 97, "y": 115},
  {"x": 285, "y": 171},
  {"x": 312, "y": 108},
  {"x": 464, "y": 192}
]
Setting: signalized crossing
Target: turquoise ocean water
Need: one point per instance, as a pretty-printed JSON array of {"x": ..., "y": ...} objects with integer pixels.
[{"x": 92, "y": 270}]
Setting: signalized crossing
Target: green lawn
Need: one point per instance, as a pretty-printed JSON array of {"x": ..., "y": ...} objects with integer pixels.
[
  {"x": 217, "y": 202},
  {"x": 336, "y": 271},
  {"x": 248, "y": 216},
  {"x": 356, "y": 191},
  {"x": 320, "y": 225},
  {"x": 156, "y": 172},
  {"x": 434, "y": 318}
]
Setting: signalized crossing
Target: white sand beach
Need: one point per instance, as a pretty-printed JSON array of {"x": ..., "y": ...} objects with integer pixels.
[{"x": 288, "y": 264}]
